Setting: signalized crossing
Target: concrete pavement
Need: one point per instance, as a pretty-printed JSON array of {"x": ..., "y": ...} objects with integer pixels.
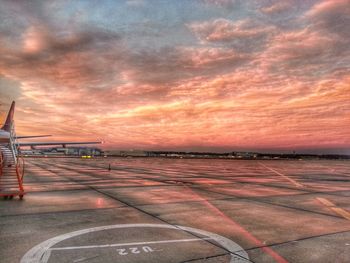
[{"x": 178, "y": 210}]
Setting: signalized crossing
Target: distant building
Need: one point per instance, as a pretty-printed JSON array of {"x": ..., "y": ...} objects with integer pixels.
[
  {"x": 80, "y": 151},
  {"x": 244, "y": 155}
]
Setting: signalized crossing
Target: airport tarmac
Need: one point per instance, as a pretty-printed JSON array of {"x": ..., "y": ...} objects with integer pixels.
[{"x": 178, "y": 210}]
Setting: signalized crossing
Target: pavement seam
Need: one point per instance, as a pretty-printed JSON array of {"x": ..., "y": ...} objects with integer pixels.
[
  {"x": 273, "y": 204},
  {"x": 214, "y": 256},
  {"x": 300, "y": 239}
]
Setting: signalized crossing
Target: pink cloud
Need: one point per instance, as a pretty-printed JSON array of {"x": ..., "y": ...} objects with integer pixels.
[
  {"x": 278, "y": 7},
  {"x": 34, "y": 40},
  {"x": 328, "y": 7},
  {"x": 209, "y": 56},
  {"x": 226, "y": 30},
  {"x": 301, "y": 45}
]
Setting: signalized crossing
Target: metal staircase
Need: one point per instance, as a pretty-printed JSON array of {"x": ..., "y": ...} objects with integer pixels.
[
  {"x": 9, "y": 159},
  {"x": 11, "y": 170}
]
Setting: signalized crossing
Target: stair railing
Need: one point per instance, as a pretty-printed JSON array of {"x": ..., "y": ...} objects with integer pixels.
[
  {"x": 13, "y": 143},
  {"x": 19, "y": 161},
  {"x": 1, "y": 162},
  {"x": 20, "y": 173}
]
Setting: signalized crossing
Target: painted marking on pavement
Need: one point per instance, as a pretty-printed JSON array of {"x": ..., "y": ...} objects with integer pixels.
[
  {"x": 283, "y": 175},
  {"x": 133, "y": 244},
  {"x": 42, "y": 252},
  {"x": 334, "y": 208}
]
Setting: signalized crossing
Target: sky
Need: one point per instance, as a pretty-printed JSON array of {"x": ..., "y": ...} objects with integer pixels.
[{"x": 192, "y": 75}]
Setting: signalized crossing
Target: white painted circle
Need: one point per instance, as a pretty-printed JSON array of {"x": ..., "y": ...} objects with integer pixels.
[{"x": 41, "y": 253}]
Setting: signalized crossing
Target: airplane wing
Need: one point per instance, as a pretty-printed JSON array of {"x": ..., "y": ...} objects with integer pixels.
[
  {"x": 31, "y": 136},
  {"x": 64, "y": 144},
  {"x": 6, "y": 133}
]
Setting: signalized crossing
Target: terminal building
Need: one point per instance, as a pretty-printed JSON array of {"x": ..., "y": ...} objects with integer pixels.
[{"x": 68, "y": 151}]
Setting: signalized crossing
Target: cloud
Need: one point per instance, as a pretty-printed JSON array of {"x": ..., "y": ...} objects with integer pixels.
[
  {"x": 298, "y": 50},
  {"x": 245, "y": 36},
  {"x": 331, "y": 17},
  {"x": 99, "y": 58},
  {"x": 222, "y": 30},
  {"x": 62, "y": 59},
  {"x": 276, "y": 8},
  {"x": 322, "y": 45},
  {"x": 327, "y": 9},
  {"x": 227, "y": 4},
  {"x": 210, "y": 57}
]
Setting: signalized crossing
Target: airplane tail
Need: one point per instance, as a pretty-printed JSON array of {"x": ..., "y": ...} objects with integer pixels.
[{"x": 9, "y": 119}]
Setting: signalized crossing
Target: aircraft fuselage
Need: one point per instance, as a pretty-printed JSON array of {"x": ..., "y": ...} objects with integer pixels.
[{"x": 4, "y": 136}]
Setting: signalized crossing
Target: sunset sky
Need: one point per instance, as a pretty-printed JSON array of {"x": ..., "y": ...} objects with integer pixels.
[{"x": 202, "y": 75}]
